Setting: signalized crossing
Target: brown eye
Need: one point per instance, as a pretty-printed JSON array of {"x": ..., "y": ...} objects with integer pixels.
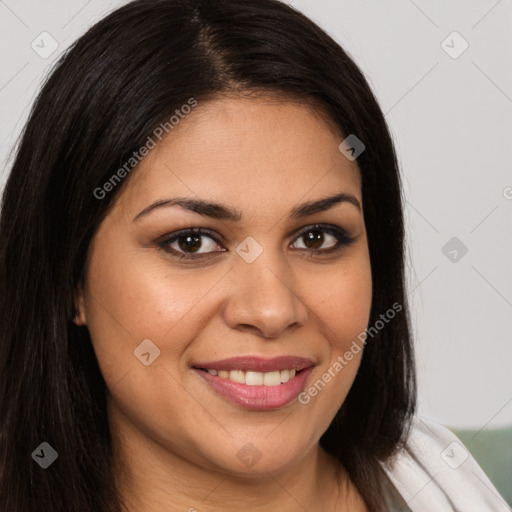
[
  {"x": 315, "y": 237},
  {"x": 187, "y": 243}
]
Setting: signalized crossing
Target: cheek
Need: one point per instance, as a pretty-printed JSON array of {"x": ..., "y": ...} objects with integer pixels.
[
  {"x": 133, "y": 297},
  {"x": 343, "y": 302}
]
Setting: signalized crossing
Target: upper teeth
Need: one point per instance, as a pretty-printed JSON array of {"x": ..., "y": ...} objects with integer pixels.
[{"x": 255, "y": 378}]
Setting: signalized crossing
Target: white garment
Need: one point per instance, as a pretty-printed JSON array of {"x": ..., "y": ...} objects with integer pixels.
[{"x": 436, "y": 473}]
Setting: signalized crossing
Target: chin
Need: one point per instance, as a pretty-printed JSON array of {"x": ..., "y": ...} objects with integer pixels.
[{"x": 262, "y": 456}]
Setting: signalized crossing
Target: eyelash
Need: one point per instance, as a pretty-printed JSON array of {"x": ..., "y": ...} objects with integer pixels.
[{"x": 343, "y": 240}]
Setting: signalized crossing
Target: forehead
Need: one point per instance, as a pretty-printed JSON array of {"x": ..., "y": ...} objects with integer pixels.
[{"x": 251, "y": 153}]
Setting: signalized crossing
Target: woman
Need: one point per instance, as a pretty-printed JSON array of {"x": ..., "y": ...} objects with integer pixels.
[{"x": 202, "y": 262}]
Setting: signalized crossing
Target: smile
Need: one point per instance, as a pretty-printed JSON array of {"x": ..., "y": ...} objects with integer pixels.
[
  {"x": 250, "y": 378},
  {"x": 257, "y": 383}
]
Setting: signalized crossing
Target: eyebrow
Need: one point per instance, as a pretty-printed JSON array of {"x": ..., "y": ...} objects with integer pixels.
[{"x": 221, "y": 212}]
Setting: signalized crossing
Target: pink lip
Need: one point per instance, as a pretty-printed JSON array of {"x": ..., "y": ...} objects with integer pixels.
[
  {"x": 257, "y": 364},
  {"x": 258, "y": 397}
]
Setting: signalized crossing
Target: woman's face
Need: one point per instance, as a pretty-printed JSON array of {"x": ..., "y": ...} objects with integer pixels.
[{"x": 259, "y": 285}]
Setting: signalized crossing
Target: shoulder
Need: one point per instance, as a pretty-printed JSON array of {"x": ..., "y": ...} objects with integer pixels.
[{"x": 434, "y": 471}]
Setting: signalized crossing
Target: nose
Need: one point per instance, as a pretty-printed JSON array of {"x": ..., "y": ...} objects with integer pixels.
[{"x": 262, "y": 299}]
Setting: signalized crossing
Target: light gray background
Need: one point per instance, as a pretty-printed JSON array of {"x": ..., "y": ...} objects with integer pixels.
[{"x": 451, "y": 119}]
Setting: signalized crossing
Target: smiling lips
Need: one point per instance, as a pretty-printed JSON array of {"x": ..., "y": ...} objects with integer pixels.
[{"x": 257, "y": 383}]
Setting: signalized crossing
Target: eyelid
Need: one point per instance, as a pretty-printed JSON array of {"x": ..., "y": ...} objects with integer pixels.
[
  {"x": 167, "y": 239},
  {"x": 328, "y": 228}
]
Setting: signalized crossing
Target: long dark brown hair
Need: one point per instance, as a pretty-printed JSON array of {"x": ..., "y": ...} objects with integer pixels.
[{"x": 104, "y": 97}]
